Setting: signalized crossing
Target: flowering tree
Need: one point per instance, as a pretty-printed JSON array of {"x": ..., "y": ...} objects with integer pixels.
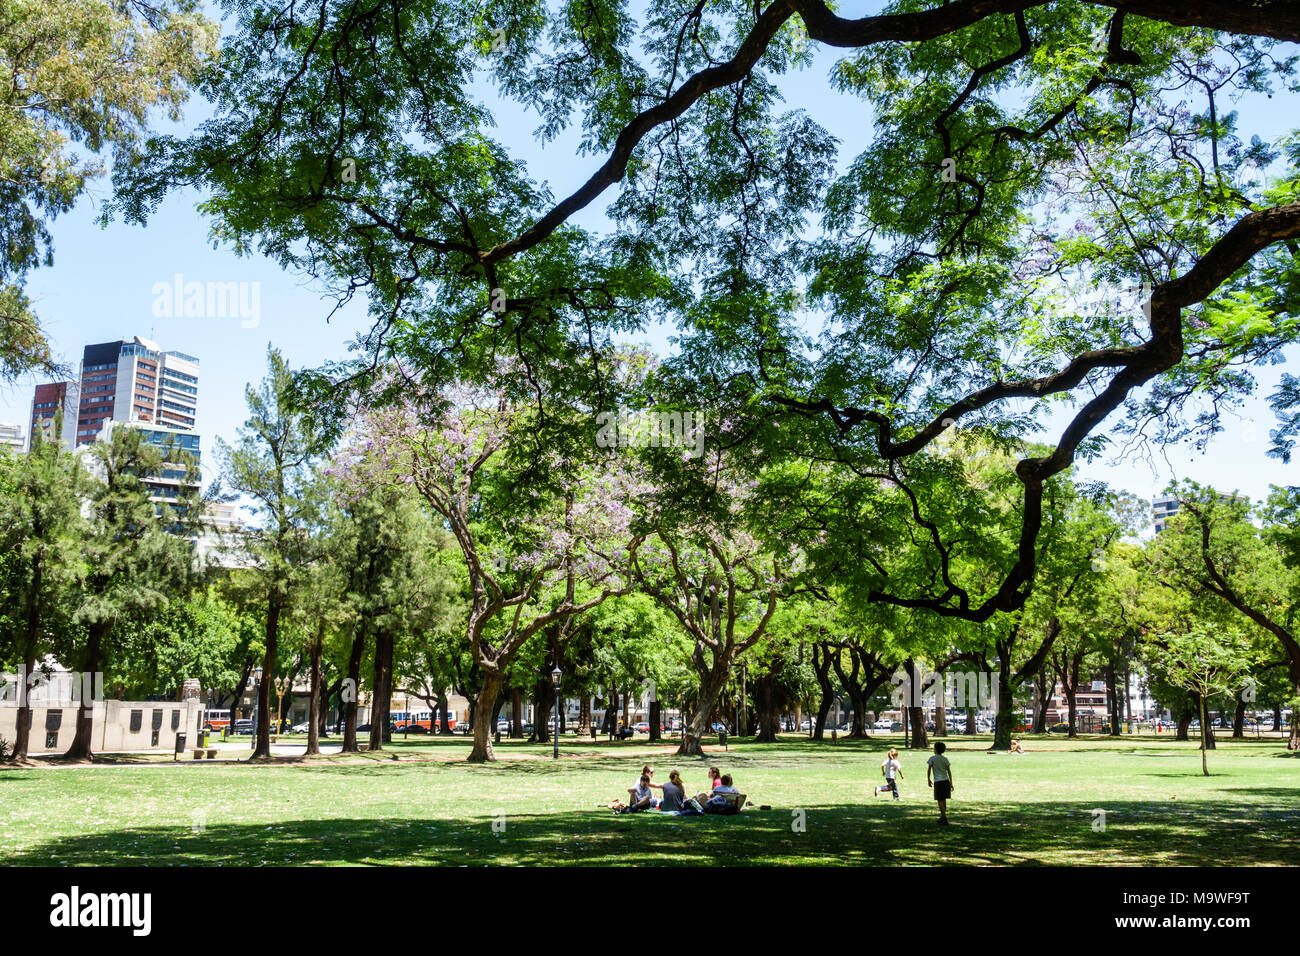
[
  {"x": 719, "y": 580},
  {"x": 544, "y": 536}
]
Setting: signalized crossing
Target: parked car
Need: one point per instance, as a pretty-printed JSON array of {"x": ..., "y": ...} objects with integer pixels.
[
  {"x": 242, "y": 727},
  {"x": 896, "y": 727},
  {"x": 641, "y": 728},
  {"x": 882, "y": 725},
  {"x": 1059, "y": 728},
  {"x": 929, "y": 726},
  {"x": 412, "y": 728}
]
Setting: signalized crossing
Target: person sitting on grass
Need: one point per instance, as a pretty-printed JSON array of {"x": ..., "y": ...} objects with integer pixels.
[
  {"x": 640, "y": 796},
  {"x": 715, "y": 778},
  {"x": 1016, "y": 748},
  {"x": 719, "y": 801},
  {"x": 674, "y": 793}
]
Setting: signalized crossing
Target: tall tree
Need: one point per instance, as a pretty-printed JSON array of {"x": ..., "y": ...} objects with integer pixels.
[
  {"x": 1018, "y": 150},
  {"x": 1211, "y": 550},
  {"x": 273, "y": 463},
  {"x": 139, "y": 553},
  {"x": 40, "y": 559},
  {"x": 544, "y": 531}
]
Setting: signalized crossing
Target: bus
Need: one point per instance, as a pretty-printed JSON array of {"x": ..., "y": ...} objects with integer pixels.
[
  {"x": 215, "y": 720},
  {"x": 422, "y": 718}
]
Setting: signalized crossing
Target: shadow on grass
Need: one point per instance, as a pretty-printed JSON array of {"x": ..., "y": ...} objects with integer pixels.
[{"x": 1136, "y": 833}]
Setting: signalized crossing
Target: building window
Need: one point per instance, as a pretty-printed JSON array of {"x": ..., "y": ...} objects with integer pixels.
[{"x": 137, "y": 721}]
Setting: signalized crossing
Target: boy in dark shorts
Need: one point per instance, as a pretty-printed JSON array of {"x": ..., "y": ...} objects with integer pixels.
[{"x": 938, "y": 774}]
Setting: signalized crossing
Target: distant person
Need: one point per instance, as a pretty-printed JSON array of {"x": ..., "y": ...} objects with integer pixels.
[
  {"x": 1016, "y": 747},
  {"x": 715, "y": 778},
  {"x": 938, "y": 774},
  {"x": 892, "y": 770}
]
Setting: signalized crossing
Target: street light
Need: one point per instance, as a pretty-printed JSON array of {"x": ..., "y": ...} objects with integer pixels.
[
  {"x": 257, "y": 685},
  {"x": 555, "y": 740}
]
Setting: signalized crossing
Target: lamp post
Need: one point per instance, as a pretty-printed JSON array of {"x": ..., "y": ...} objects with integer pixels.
[
  {"x": 555, "y": 739},
  {"x": 257, "y": 685}
]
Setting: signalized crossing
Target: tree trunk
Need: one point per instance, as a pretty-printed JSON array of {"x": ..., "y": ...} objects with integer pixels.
[
  {"x": 1072, "y": 705},
  {"x": 584, "y": 716},
  {"x": 970, "y": 722},
  {"x": 543, "y": 701},
  {"x": 1112, "y": 698},
  {"x": 444, "y": 718},
  {"x": 23, "y": 732},
  {"x": 1006, "y": 706},
  {"x": 262, "y": 747},
  {"x": 822, "y": 668},
  {"x": 350, "y": 699},
  {"x": 940, "y": 719},
  {"x": 1042, "y": 700},
  {"x": 764, "y": 689},
  {"x": 381, "y": 694},
  {"x": 314, "y": 708},
  {"x": 81, "y": 748},
  {"x": 517, "y": 714},
  {"x": 711, "y": 685},
  {"x": 849, "y": 682},
  {"x": 1293, "y": 741},
  {"x": 655, "y": 721},
  {"x": 919, "y": 739},
  {"x": 611, "y": 712},
  {"x": 484, "y": 727},
  {"x": 1239, "y": 720},
  {"x": 1205, "y": 726},
  {"x": 1184, "y": 724}
]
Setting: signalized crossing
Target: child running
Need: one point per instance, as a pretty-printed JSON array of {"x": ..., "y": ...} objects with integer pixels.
[{"x": 893, "y": 772}]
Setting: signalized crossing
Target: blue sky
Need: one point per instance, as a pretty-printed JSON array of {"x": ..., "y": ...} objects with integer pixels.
[{"x": 101, "y": 288}]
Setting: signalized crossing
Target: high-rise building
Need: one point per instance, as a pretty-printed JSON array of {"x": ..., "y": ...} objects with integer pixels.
[
  {"x": 1163, "y": 507},
  {"x": 46, "y": 403},
  {"x": 136, "y": 381},
  {"x": 12, "y": 435}
]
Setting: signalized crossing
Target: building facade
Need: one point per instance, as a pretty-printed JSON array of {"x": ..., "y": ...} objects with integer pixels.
[
  {"x": 54, "y": 406},
  {"x": 11, "y": 435},
  {"x": 136, "y": 381}
]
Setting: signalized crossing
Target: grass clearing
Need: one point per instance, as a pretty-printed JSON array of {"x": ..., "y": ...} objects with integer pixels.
[{"x": 429, "y": 807}]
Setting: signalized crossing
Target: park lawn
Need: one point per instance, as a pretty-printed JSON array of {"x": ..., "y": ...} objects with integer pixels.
[{"x": 429, "y": 807}]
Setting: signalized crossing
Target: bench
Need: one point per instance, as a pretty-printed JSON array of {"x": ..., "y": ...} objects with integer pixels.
[{"x": 212, "y": 753}]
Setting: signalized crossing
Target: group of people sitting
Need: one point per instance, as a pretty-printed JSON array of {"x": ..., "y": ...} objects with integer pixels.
[{"x": 722, "y": 796}]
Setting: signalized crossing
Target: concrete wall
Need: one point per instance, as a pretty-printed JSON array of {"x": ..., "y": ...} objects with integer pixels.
[{"x": 113, "y": 731}]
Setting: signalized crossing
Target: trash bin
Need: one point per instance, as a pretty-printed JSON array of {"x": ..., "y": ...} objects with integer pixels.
[
  {"x": 203, "y": 739},
  {"x": 180, "y": 746}
]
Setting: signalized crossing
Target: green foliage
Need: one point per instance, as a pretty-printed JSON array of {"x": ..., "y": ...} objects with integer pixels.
[{"x": 92, "y": 72}]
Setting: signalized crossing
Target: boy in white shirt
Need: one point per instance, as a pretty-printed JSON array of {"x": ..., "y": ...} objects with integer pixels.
[
  {"x": 893, "y": 772},
  {"x": 938, "y": 774}
]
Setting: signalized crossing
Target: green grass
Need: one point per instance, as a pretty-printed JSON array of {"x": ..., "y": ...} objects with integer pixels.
[{"x": 428, "y": 807}]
